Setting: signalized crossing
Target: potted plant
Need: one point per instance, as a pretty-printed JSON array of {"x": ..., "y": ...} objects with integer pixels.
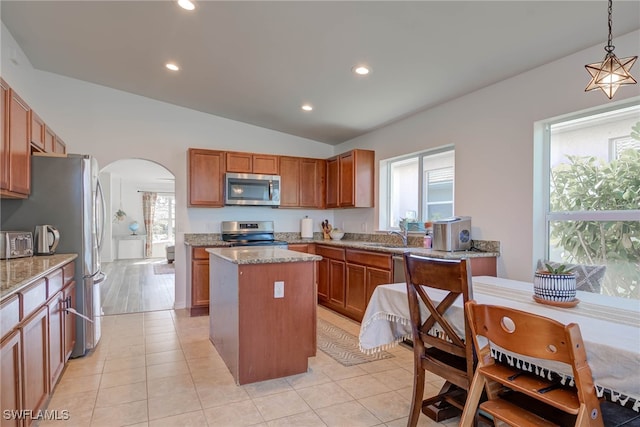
[
  {"x": 555, "y": 284},
  {"x": 120, "y": 215}
]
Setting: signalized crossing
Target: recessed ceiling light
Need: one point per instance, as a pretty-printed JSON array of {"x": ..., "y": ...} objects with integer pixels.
[
  {"x": 307, "y": 107},
  {"x": 361, "y": 70},
  {"x": 186, "y": 4},
  {"x": 172, "y": 66}
]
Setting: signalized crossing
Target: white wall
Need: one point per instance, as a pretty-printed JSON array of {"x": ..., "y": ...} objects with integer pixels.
[{"x": 492, "y": 130}]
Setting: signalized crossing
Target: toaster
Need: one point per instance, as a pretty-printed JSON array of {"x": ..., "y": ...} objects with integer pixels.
[
  {"x": 452, "y": 234},
  {"x": 15, "y": 244}
]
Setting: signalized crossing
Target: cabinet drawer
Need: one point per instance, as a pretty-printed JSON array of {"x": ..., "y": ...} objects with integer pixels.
[
  {"x": 369, "y": 258},
  {"x": 330, "y": 252},
  {"x": 55, "y": 282},
  {"x": 68, "y": 272},
  {"x": 200, "y": 253},
  {"x": 9, "y": 314},
  {"x": 33, "y": 297}
]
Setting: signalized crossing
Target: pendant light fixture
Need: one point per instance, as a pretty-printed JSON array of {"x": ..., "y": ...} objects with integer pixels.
[{"x": 612, "y": 72}]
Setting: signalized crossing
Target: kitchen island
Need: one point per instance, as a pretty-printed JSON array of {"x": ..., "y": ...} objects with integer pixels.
[{"x": 262, "y": 315}]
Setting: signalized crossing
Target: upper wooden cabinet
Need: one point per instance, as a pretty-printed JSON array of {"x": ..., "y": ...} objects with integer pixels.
[
  {"x": 350, "y": 180},
  {"x": 59, "y": 147},
  {"x": 252, "y": 163},
  {"x": 37, "y": 132},
  {"x": 302, "y": 182},
  {"x": 15, "y": 160},
  {"x": 206, "y": 178}
]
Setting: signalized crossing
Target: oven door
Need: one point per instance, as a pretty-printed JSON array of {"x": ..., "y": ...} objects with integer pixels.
[{"x": 252, "y": 189}]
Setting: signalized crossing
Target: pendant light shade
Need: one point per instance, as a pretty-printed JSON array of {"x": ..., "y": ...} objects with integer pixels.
[{"x": 612, "y": 72}]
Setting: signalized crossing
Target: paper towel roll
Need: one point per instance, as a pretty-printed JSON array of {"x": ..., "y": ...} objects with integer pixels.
[{"x": 306, "y": 228}]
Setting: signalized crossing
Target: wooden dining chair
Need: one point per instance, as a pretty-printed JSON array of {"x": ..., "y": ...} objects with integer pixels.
[
  {"x": 516, "y": 396},
  {"x": 437, "y": 346}
]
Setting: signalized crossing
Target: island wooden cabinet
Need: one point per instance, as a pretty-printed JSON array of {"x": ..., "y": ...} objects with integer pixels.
[
  {"x": 239, "y": 162},
  {"x": 205, "y": 178},
  {"x": 302, "y": 182},
  {"x": 350, "y": 180},
  {"x": 199, "y": 282},
  {"x": 15, "y": 156}
]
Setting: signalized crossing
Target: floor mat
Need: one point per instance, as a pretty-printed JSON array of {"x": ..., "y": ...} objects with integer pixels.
[
  {"x": 343, "y": 347},
  {"x": 164, "y": 268}
]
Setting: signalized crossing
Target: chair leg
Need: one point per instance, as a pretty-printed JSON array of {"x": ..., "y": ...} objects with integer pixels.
[
  {"x": 473, "y": 398},
  {"x": 418, "y": 395}
]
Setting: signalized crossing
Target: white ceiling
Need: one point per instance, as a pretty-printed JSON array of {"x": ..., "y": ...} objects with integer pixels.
[{"x": 257, "y": 62}]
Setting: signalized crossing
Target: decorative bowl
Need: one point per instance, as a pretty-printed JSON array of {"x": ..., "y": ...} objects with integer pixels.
[
  {"x": 336, "y": 234},
  {"x": 554, "y": 287}
]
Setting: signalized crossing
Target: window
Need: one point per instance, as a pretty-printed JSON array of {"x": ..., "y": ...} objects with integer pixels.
[
  {"x": 593, "y": 194},
  {"x": 164, "y": 221},
  {"x": 418, "y": 187}
]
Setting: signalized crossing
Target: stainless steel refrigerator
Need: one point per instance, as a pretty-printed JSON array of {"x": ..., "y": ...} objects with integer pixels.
[{"x": 66, "y": 193}]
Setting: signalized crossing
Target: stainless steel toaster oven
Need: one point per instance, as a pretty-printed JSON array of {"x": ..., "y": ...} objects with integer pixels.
[{"x": 16, "y": 244}]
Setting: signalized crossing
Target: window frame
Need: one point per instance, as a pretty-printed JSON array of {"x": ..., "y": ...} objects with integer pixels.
[
  {"x": 543, "y": 216},
  {"x": 385, "y": 211}
]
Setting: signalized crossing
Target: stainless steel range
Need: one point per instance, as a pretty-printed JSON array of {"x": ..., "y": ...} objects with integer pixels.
[{"x": 250, "y": 233}]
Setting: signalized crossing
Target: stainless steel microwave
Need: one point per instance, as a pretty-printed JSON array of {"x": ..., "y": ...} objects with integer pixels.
[{"x": 252, "y": 189}]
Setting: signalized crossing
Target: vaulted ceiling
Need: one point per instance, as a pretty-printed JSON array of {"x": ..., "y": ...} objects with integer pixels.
[{"x": 258, "y": 62}]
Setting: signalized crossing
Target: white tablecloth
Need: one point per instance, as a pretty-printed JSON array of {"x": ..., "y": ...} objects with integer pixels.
[{"x": 610, "y": 328}]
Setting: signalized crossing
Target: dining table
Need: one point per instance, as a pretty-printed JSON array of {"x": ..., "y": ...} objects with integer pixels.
[{"x": 610, "y": 328}]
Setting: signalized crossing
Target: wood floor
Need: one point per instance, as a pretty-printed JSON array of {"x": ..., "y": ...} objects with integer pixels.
[{"x": 133, "y": 287}]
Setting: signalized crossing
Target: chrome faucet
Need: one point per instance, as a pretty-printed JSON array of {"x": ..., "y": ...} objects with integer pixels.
[{"x": 403, "y": 233}]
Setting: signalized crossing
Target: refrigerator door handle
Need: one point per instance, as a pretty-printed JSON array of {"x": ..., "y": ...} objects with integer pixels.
[{"x": 99, "y": 203}]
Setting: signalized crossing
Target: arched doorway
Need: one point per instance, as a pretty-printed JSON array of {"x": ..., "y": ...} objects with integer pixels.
[{"x": 140, "y": 200}]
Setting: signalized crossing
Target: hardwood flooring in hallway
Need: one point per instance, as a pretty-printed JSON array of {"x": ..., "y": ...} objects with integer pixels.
[{"x": 132, "y": 286}]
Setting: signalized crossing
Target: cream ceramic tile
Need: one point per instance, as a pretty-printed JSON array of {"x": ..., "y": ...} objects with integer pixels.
[
  {"x": 75, "y": 420},
  {"x": 280, "y": 405},
  {"x": 395, "y": 379},
  {"x": 164, "y": 357},
  {"x": 120, "y": 415},
  {"x": 320, "y": 396},
  {"x": 387, "y": 406},
  {"x": 119, "y": 364},
  {"x": 123, "y": 377},
  {"x": 197, "y": 348},
  {"x": 167, "y": 369},
  {"x": 78, "y": 384},
  {"x": 337, "y": 372},
  {"x": 161, "y": 336},
  {"x": 167, "y": 405},
  {"x": 83, "y": 368},
  {"x": 162, "y": 346},
  {"x": 190, "y": 419},
  {"x": 423, "y": 421},
  {"x": 206, "y": 366},
  {"x": 157, "y": 329},
  {"x": 379, "y": 366},
  {"x": 121, "y": 394},
  {"x": 79, "y": 405},
  {"x": 351, "y": 414},
  {"x": 170, "y": 385},
  {"x": 363, "y": 386},
  {"x": 212, "y": 394},
  {"x": 306, "y": 419},
  {"x": 127, "y": 351},
  {"x": 235, "y": 414},
  {"x": 265, "y": 388},
  {"x": 429, "y": 390},
  {"x": 308, "y": 379}
]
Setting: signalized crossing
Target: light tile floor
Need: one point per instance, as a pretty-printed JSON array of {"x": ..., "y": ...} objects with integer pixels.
[{"x": 160, "y": 369}]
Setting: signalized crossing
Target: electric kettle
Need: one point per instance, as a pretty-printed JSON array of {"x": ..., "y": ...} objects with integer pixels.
[{"x": 46, "y": 239}]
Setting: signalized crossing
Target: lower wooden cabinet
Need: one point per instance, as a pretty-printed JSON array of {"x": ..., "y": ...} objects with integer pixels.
[
  {"x": 35, "y": 361},
  {"x": 11, "y": 384},
  {"x": 36, "y": 344},
  {"x": 199, "y": 282}
]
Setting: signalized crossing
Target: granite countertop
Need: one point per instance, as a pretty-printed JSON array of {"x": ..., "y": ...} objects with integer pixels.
[
  {"x": 377, "y": 243},
  {"x": 261, "y": 255},
  {"x": 19, "y": 272}
]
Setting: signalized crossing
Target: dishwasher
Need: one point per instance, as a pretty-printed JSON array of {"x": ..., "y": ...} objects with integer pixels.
[{"x": 398, "y": 269}]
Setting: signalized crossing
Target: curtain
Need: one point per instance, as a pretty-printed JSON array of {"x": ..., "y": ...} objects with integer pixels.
[{"x": 148, "y": 211}]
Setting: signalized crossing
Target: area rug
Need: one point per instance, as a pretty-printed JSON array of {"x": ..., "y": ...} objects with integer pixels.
[
  {"x": 343, "y": 347},
  {"x": 164, "y": 268}
]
